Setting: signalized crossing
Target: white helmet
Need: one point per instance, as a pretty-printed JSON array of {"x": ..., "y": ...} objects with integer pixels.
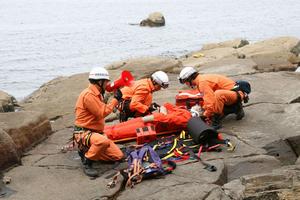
[
  {"x": 99, "y": 73},
  {"x": 161, "y": 78},
  {"x": 185, "y": 74}
]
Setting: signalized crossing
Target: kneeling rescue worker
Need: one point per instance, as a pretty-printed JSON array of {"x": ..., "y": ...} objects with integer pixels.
[
  {"x": 221, "y": 95},
  {"x": 90, "y": 112},
  {"x": 137, "y": 99}
]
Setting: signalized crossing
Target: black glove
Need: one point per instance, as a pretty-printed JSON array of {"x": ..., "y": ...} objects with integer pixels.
[
  {"x": 118, "y": 95},
  {"x": 154, "y": 106}
]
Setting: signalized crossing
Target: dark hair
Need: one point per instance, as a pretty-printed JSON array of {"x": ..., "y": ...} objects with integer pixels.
[
  {"x": 93, "y": 81},
  {"x": 194, "y": 75}
]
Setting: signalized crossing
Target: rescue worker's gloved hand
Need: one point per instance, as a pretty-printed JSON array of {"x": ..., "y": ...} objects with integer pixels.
[
  {"x": 154, "y": 106},
  {"x": 118, "y": 95}
]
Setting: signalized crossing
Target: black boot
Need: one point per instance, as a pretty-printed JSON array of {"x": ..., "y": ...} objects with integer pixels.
[
  {"x": 216, "y": 121},
  {"x": 81, "y": 154},
  {"x": 236, "y": 109},
  {"x": 88, "y": 168},
  {"x": 239, "y": 112}
]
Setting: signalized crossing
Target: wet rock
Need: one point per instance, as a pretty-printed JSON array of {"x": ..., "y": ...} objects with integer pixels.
[
  {"x": 25, "y": 128},
  {"x": 7, "y": 102},
  {"x": 154, "y": 20},
  {"x": 8, "y": 149}
]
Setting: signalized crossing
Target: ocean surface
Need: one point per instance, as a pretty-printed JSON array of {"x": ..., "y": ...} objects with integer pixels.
[{"x": 43, "y": 39}]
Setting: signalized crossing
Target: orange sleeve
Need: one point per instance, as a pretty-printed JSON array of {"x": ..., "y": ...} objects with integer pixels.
[
  {"x": 208, "y": 98},
  {"x": 97, "y": 107},
  {"x": 138, "y": 99}
]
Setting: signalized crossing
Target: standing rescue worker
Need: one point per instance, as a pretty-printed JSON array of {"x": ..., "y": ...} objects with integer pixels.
[
  {"x": 221, "y": 95},
  {"x": 137, "y": 99},
  {"x": 90, "y": 112}
]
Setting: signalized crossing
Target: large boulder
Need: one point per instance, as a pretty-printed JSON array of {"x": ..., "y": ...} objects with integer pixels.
[
  {"x": 154, "y": 19},
  {"x": 25, "y": 128},
  {"x": 268, "y": 55},
  {"x": 8, "y": 149},
  {"x": 7, "y": 102},
  {"x": 273, "y": 45},
  {"x": 273, "y": 54}
]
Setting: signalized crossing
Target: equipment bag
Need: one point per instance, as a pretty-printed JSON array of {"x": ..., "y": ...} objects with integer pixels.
[
  {"x": 189, "y": 98},
  {"x": 143, "y": 163}
]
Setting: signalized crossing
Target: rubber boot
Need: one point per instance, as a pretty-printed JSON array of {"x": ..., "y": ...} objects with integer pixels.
[
  {"x": 239, "y": 111},
  {"x": 236, "y": 109},
  {"x": 88, "y": 168},
  {"x": 216, "y": 121},
  {"x": 81, "y": 154}
]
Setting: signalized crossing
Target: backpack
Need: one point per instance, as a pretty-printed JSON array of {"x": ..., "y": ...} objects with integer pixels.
[
  {"x": 189, "y": 98},
  {"x": 143, "y": 163}
]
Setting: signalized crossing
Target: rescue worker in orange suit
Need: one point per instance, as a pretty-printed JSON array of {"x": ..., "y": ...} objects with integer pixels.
[
  {"x": 221, "y": 95},
  {"x": 90, "y": 112},
  {"x": 137, "y": 99}
]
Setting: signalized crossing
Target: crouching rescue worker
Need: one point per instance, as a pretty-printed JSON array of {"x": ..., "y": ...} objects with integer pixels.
[
  {"x": 90, "y": 112},
  {"x": 221, "y": 95},
  {"x": 137, "y": 99}
]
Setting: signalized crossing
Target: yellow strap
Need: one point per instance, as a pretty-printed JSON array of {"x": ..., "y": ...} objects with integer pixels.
[
  {"x": 87, "y": 140},
  {"x": 182, "y": 135},
  {"x": 173, "y": 147},
  {"x": 168, "y": 156}
]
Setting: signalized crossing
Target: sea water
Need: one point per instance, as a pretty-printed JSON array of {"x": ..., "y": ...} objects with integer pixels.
[{"x": 43, "y": 39}]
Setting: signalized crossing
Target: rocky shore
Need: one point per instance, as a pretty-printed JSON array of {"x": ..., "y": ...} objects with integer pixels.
[{"x": 265, "y": 164}]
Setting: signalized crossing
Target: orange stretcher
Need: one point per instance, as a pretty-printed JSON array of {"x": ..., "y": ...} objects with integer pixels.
[{"x": 174, "y": 121}]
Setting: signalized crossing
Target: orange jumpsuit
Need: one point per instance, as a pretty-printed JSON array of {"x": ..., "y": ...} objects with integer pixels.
[
  {"x": 216, "y": 90},
  {"x": 140, "y": 94},
  {"x": 90, "y": 112}
]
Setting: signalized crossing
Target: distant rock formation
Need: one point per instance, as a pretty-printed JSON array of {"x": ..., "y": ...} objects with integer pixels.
[{"x": 154, "y": 20}]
